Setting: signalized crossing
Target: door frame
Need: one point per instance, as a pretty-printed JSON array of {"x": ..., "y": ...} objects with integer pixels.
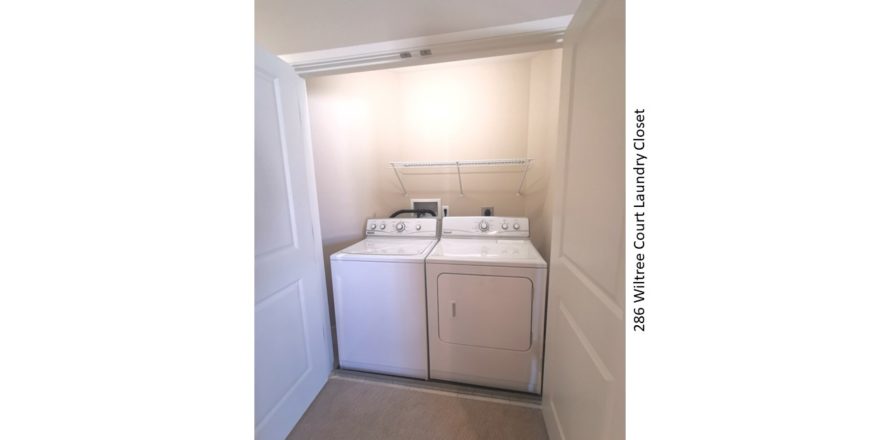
[
  {"x": 482, "y": 43},
  {"x": 488, "y": 42},
  {"x": 312, "y": 181}
]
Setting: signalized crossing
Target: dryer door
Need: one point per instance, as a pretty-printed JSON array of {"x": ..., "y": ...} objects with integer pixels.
[{"x": 485, "y": 311}]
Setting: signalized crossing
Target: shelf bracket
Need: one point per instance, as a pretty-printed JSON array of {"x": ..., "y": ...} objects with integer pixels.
[
  {"x": 523, "y": 180},
  {"x": 399, "y": 180},
  {"x": 460, "y": 188}
]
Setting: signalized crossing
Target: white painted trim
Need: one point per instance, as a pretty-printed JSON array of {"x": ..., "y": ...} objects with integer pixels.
[
  {"x": 577, "y": 25},
  {"x": 312, "y": 180},
  {"x": 499, "y": 40},
  {"x": 556, "y": 423},
  {"x": 585, "y": 344},
  {"x": 601, "y": 294},
  {"x": 440, "y": 392},
  {"x": 261, "y": 427}
]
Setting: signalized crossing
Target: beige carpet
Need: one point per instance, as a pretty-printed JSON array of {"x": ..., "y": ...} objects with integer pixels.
[{"x": 348, "y": 409}]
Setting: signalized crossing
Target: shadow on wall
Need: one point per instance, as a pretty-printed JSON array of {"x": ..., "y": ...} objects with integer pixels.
[{"x": 331, "y": 246}]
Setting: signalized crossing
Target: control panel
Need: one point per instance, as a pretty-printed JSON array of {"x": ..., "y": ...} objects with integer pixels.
[
  {"x": 499, "y": 227},
  {"x": 408, "y": 227}
]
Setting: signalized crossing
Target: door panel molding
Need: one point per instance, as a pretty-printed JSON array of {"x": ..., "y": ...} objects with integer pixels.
[
  {"x": 554, "y": 430},
  {"x": 585, "y": 343},
  {"x": 288, "y": 179},
  {"x": 282, "y": 160},
  {"x": 593, "y": 287},
  {"x": 305, "y": 363},
  {"x": 583, "y": 385}
]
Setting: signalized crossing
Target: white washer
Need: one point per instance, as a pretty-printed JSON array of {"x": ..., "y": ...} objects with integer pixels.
[
  {"x": 486, "y": 291},
  {"x": 379, "y": 297}
]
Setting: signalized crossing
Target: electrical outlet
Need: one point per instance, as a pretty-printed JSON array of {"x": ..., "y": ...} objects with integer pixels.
[{"x": 487, "y": 211}]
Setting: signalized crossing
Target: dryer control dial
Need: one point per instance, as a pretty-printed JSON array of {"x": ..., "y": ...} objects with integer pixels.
[
  {"x": 484, "y": 226},
  {"x": 382, "y": 226},
  {"x": 418, "y": 227},
  {"x": 373, "y": 226},
  {"x": 400, "y": 226},
  {"x": 516, "y": 226},
  {"x": 504, "y": 226}
]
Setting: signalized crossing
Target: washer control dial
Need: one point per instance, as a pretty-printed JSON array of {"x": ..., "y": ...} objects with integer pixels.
[
  {"x": 373, "y": 226},
  {"x": 382, "y": 226},
  {"x": 418, "y": 227},
  {"x": 504, "y": 226},
  {"x": 516, "y": 226},
  {"x": 484, "y": 226},
  {"x": 400, "y": 226}
]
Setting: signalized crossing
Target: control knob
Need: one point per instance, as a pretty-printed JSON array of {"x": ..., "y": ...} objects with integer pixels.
[
  {"x": 504, "y": 226},
  {"x": 373, "y": 226},
  {"x": 382, "y": 226},
  {"x": 516, "y": 226},
  {"x": 400, "y": 226},
  {"x": 484, "y": 226}
]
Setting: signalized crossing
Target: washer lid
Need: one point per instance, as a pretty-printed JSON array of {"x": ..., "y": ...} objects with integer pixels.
[
  {"x": 389, "y": 246},
  {"x": 504, "y": 252}
]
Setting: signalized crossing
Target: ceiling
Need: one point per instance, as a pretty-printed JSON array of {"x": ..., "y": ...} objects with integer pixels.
[{"x": 291, "y": 26}]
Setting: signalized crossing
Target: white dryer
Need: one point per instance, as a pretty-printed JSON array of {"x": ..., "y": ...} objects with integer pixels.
[
  {"x": 379, "y": 297},
  {"x": 486, "y": 297}
]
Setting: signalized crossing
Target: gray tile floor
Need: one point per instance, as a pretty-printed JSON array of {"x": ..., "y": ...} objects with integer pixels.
[{"x": 362, "y": 406}]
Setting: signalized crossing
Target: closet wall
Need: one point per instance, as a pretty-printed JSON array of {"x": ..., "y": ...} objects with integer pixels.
[
  {"x": 493, "y": 108},
  {"x": 544, "y": 84}
]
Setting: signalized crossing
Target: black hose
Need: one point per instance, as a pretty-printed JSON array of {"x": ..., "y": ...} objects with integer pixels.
[{"x": 418, "y": 212}]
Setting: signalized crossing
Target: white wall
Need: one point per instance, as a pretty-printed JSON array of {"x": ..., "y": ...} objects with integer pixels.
[
  {"x": 502, "y": 107},
  {"x": 348, "y": 127},
  {"x": 289, "y": 26},
  {"x": 469, "y": 110},
  {"x": 542, "y": 139}
]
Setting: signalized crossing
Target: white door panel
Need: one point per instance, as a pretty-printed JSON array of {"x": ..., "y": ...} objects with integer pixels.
[
  {"x": 280, "y": 361},
  {"x": 274, "y": 219},
  {"x": 291, "y": 344},
  {"x": 584, "y": 369},
  {"x": 581, "y": 404}
]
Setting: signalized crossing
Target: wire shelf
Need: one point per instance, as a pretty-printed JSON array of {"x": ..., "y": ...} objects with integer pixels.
[{"x": 525, "y": 163}]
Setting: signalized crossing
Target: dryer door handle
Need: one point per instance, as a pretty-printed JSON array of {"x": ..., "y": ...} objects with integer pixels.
[{"x": 453, "y": 308}]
